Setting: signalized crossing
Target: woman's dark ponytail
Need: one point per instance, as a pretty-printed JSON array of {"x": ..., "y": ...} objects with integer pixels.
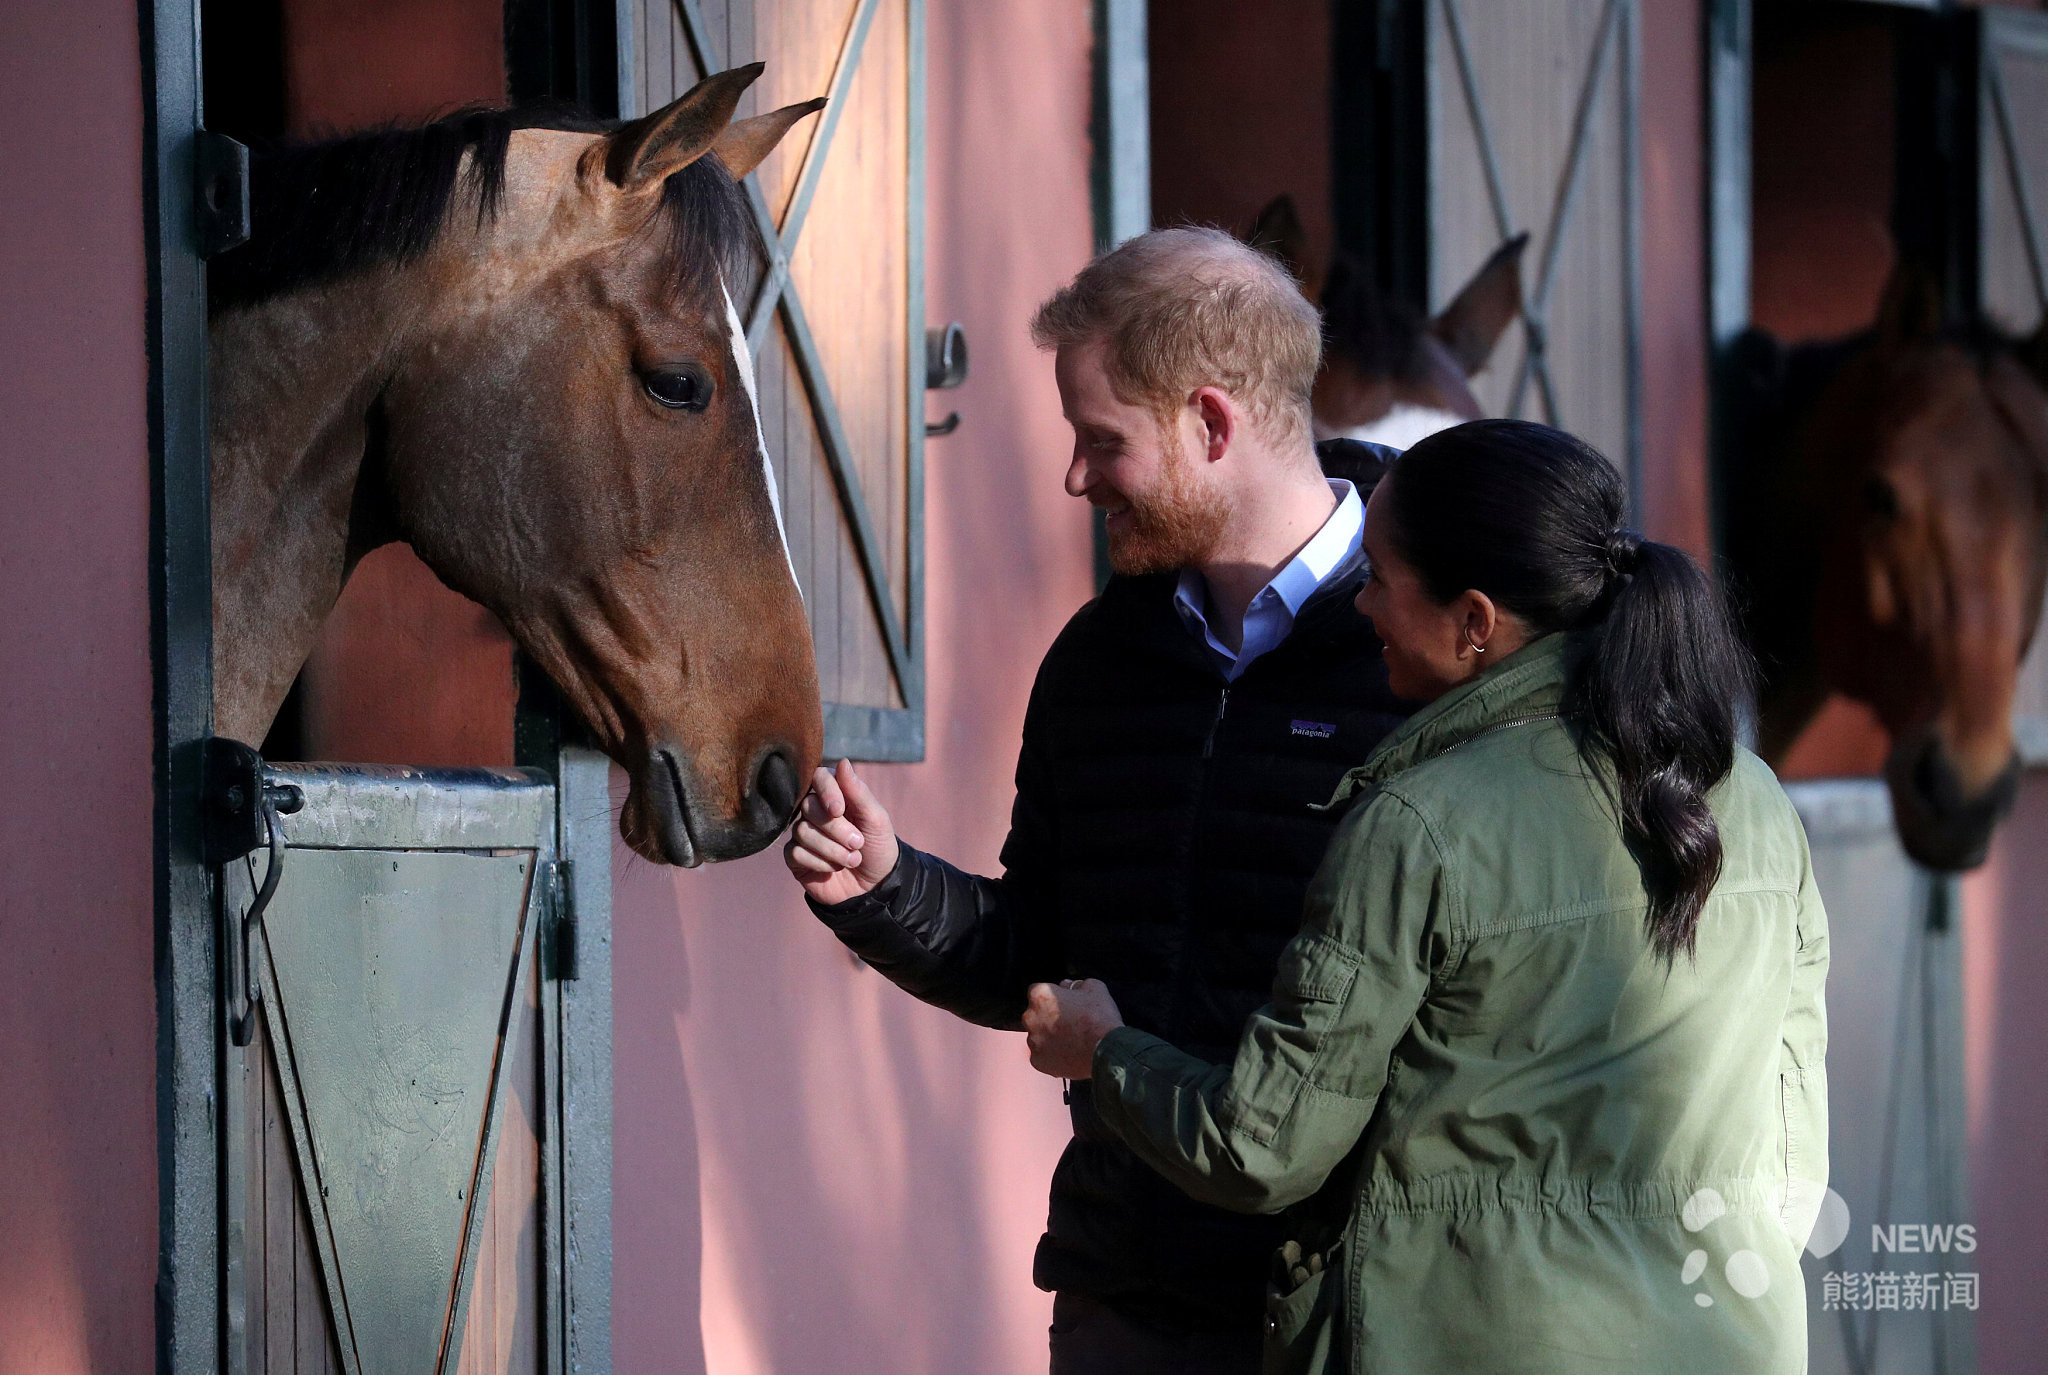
[{"x": 1533, "y": 518}]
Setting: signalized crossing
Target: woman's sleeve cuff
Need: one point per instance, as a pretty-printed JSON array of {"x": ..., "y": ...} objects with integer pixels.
[{"x": 1117, "y": 1050}]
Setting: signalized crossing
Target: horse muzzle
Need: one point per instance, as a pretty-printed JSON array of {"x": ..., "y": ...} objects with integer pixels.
[
  {"x": 1941, "y": 825},
  {"x": 667, "y": 818}
]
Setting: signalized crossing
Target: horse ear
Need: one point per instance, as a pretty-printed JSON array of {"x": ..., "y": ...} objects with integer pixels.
[
  {"x": 746, "y": 141},
  {"x": 1276, "y": 232},
  {"x": 649, "y": 150},
  {"x": 1476, "y": 317},
  {"x": 1910, "y": 311}
]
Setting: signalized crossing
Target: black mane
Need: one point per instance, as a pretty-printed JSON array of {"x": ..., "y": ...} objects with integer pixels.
[{"x": 319, "y": 211}]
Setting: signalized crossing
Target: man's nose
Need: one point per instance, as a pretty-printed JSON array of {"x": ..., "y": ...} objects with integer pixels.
[{"x": 1078, "y": 478}]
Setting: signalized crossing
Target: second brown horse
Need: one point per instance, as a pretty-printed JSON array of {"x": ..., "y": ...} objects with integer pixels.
[{"x": 1885, "y": 523}]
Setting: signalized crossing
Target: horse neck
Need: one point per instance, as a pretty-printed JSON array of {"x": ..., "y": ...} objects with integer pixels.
[{"x": 293, "y": 383}]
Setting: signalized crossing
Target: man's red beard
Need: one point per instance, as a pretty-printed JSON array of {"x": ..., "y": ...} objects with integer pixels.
[{"x": 1175, "y": 526}]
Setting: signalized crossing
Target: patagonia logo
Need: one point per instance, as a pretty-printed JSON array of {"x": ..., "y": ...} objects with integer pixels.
[{"x": 1314, "y": 730}]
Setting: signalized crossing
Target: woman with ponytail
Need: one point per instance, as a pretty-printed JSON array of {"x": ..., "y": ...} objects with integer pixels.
[{"x": 1541, "y": 1085}]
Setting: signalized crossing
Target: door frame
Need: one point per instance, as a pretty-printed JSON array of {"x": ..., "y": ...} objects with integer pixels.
[
  {"x": 190, "y": 1034},
  {"x": 196, "y": 1179}
]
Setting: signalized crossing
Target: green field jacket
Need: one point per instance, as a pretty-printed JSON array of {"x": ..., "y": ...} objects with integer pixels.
[{"x": 1549, "y": 1150}]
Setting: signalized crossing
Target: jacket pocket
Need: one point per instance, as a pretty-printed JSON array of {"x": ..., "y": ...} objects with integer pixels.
[
  {"x": 1788, "y": 1122},
  {"x": 1303, "y": 1322},
  {"x": 1315, "y": 975}
]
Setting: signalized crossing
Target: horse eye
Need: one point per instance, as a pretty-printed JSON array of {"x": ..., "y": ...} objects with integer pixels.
[
  {"x": 1881, "y": 499},
  {"x": 680, "y": 389}
]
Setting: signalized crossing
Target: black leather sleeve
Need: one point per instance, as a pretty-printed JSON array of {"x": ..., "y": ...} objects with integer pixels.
[{"x": 956, "y": 940}]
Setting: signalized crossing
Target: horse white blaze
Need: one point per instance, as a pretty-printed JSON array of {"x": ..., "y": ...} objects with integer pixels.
[{"x": 743, "y": 359}]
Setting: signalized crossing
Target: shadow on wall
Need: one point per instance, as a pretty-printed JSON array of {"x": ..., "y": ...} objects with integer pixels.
[{"x": 826, "y": 1154}]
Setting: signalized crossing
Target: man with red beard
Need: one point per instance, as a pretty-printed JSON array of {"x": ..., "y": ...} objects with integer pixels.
[{"x": 1181, "y": 733}]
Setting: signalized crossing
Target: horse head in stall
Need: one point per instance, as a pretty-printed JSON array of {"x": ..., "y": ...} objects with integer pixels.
[
  {"x": 1390, "y": 375},
  {"x": 1887, "y": 529},
  {"x": 509, "y": 340}
]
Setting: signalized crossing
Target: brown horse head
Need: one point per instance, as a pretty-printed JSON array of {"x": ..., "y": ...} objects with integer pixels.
[
  {"x": 1927, "y": 457},
  {"x": 1390, "y": 375},
  {"x": 551, "y": 399}
]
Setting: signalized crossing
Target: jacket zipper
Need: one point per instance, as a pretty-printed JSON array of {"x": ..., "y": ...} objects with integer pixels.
[{"x": 1209, "y": 744}]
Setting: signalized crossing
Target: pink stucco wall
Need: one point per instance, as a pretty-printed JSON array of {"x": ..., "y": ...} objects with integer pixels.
[
  {"x": 2005, "y": 1047},
  {"x": 814, "y": 1172},
  {"x": 77, "y": 1014}
]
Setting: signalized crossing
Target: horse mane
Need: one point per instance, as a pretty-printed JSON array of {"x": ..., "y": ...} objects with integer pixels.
[{"x": 323, "y": 210}]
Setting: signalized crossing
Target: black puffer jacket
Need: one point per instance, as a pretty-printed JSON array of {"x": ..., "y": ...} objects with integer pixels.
[{"x": 1162, "y": 840}]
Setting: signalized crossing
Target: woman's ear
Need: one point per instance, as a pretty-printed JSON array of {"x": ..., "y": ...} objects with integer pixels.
[{"x": 1482, "y": 620}]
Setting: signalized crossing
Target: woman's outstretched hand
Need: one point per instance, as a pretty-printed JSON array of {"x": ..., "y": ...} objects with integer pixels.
[
  {"x": 843, "y": 843},
  {"x": 1064, "y": 1021}
]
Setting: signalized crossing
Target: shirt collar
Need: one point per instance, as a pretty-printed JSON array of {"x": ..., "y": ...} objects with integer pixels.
[
  {"x": 1327, "y": 548},
  {"x": 1295, "y": 583}
]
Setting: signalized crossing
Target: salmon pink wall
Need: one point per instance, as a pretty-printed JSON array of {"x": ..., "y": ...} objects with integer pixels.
[
  {"x": 2005, "y": 1045},
  {"x": 78, "y": 1012},
  {"x": 814, "y": 1172}
]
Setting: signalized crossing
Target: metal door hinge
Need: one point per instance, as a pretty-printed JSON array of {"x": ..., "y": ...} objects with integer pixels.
[
  {"x": 221, "y": 193},
  {"x": 559, "y": 917}
]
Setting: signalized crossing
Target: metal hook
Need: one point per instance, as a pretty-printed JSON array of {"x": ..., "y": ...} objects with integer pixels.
[{"x": 247, "y": 996}]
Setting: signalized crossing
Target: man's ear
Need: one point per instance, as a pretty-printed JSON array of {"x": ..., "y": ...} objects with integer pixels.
[
  {"x": 646, "y": 152},
  {"x": 1219, "y": 417}
]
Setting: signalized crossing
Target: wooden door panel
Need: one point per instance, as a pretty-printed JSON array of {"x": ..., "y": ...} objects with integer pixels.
[
  {"x": 850, "y": 270},
  {"x": 1531, "y": 120},
  {"x": 838, "y": 346},
  {"x": 290, "y": 1329},
  {"x": 502, "y": 1333}
]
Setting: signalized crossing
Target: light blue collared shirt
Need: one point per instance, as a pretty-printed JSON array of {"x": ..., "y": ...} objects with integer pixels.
[{"x": 1270, "y": 617}]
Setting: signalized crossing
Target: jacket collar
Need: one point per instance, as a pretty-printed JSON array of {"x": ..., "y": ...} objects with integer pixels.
[{"x": 1527, "y": 685}]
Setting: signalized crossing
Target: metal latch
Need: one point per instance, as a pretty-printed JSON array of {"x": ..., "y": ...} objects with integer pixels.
[
  {"x": 242, "y": 810},
  {"x": 221, "y": 192},
  {"x": 559, "y": 908},
  {"x": 945, "y": 367}
]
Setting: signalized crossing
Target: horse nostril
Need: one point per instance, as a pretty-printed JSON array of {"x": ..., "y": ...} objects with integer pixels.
[{"x": 776, "y": 784}]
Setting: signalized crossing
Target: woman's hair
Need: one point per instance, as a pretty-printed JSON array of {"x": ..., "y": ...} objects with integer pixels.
[{"x": 1533, "y": 518}]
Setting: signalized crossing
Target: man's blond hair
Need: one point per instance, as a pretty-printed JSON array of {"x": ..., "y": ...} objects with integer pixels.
[{"x": 1185, "y": 308}]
